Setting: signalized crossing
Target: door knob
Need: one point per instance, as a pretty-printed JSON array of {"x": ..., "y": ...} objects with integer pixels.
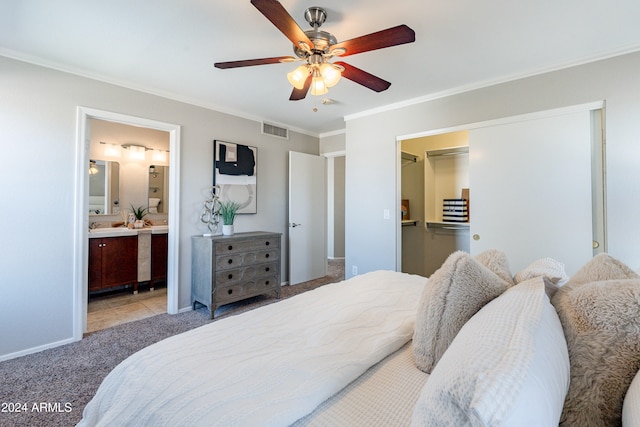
[
  {"x": 476, "y": 237},
  {"x": 293, "y": 224},
  {"x": 595, "y": 244}
]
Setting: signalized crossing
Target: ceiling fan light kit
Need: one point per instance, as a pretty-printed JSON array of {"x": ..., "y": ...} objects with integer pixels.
[
  {"x": 298, "y": 76},
  {"x": 317, "y": 47}
]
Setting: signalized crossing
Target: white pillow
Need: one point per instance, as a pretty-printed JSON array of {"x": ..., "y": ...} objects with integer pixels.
[
  {"x": 541, "y": 398},
  {"x": 549, "y": 267},
  {"x": 509, "y": 356},
  {"x": 631, "y": 406}
]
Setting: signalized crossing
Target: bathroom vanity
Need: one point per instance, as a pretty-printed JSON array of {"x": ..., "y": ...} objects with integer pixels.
[
  {"x": 123, "y": 256},
  {"x": 159, "y": 247},
  {"x": 112, "y": 262}
]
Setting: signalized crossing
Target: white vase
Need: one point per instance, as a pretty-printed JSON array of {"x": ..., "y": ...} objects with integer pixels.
[{"x": 227, "y": 229}]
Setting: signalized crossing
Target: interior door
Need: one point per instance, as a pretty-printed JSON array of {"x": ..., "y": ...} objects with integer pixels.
[
  {"x": 531, "y": 190},
  {"x": 307, "y": 217}
]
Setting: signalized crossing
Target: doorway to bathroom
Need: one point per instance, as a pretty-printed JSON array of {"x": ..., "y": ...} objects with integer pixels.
[
  {"x": 97, "y": 134},
  {"x": 130, "y": 175}
]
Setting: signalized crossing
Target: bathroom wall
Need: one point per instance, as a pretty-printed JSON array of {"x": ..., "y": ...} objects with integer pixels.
[{"x": 107, "y": 137}]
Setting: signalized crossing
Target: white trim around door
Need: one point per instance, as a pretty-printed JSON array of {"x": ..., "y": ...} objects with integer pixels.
[{"x": 81, "y": 245}]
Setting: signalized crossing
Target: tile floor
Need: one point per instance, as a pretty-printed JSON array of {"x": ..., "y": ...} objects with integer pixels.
[{"x": 115, "y": 309}]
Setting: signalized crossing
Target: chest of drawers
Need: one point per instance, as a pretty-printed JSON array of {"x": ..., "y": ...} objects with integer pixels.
[{"x": 225, "y": 269}]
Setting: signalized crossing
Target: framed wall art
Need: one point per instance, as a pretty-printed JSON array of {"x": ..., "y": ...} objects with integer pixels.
[{"x": 234, "y": 171}]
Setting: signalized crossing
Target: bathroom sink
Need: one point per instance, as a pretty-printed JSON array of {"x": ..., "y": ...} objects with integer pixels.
[{"x": 111, "y": 232}]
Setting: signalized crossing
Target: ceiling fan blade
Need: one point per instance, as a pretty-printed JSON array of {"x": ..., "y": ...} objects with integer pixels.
[
  {"x": 378, "y": 40},
  {"x": 278, "y": 15},
  {"x": 251, "y": 62},
  {"x": 299, "y": 94},
  {"x": 362, "y": 77}
]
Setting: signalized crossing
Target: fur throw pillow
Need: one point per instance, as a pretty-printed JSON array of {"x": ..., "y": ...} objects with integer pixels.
[
  {"x": 497, "y": 262},
  {"x": 601, "y": 322},
  {"x": 453, "y": 294},
  {"x": 601, "y": 267}
]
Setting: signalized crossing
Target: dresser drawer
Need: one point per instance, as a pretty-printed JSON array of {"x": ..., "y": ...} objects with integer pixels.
[
  {"x": 246, "y": 289},
  {"x": 235, "y": 260},
  {"x": 235, "y": 292},
  {"x": 269, "y": 283},
  {"x": 247, "y": 245},
  {"x": 235, "y": 275}
]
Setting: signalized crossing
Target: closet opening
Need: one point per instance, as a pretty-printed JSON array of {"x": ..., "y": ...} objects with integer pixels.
[{"x": 535, "y": 188}]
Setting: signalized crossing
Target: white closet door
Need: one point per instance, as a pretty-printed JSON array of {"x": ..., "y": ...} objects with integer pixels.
[{"x": 531, "y": 190}]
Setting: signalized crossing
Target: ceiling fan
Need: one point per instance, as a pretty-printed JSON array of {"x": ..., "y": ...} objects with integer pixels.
[{"x": 316, "y": 47}]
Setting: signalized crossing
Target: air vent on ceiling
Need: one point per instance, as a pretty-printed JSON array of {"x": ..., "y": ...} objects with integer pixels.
[{"x": 274, "y": 130}]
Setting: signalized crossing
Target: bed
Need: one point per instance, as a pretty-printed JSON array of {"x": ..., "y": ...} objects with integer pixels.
[
  {"x": 472, "y": 345},
  {"x": 271, "y": 366}
]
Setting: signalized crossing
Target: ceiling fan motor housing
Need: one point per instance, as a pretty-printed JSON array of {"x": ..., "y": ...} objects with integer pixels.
[
  {"x": 322, "y": 40},
  {"x": 315, "y": 16}
]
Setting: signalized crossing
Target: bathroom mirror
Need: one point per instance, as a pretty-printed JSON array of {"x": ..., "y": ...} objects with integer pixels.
[
  {"x": 158, "y": 189},
  {"x": 104, "y": 187}
]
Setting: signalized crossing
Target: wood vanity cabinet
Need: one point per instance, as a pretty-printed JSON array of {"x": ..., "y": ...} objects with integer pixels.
[
  {"x": 158, "y": 257},
  {"x": 113, "y": 261},
  {"x": 226, "y": 269}
]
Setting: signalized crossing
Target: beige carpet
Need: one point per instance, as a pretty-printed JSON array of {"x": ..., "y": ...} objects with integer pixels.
[{"x": 51, "y": 388}]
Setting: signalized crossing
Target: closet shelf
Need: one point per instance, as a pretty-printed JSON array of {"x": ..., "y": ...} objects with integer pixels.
[
  {"x": 447, "y": 225},
  {"x": 409, "y": 222}
]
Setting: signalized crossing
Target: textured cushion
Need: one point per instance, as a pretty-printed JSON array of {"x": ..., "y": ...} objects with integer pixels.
[
  {"x": 550, "y": 269},
  {"x": 497, "y": 262},
  {"x": 454, "y": 293},
  {"x": 547, "y": 267},
  {"x": 507, "y": 366},
  {"x": 601, "y": 267},
  {"x": 631, "y": 406},
  {"x": 601, "y": 322}
]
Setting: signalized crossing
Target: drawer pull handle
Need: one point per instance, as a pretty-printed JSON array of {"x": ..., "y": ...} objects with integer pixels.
[
  {"x": 267, "y": 243},
  {"x": 230, "y": 276},
  {"x": 266, "y": 283},
  {"x": 230, "y": 247},
  {"x": 266, "y": 256},
  {"x": 266, "y": 269},
  {"x": 230, "y": 291},
  {"x": 230, "y": 261}
]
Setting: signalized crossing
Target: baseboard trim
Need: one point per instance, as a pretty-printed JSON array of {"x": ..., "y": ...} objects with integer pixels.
[{"x": 36, "y": 349}]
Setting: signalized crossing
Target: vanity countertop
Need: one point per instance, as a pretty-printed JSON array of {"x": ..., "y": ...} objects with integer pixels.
[{"x": 98, "y": 233}]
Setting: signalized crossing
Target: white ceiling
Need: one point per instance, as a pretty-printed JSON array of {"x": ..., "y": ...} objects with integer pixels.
[{"x": 168, "y": 47}]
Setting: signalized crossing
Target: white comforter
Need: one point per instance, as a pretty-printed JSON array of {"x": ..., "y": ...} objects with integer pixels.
[{"x": 267, "y": 367}]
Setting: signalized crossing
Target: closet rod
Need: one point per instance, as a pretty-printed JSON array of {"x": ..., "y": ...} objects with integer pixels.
[
  {"x": 410, "y": 157},
  {"x": 448, "y": 152}
]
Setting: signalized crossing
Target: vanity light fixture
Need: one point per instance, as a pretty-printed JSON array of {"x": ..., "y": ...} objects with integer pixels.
[
  {"x": 111, "y": 150},
  {"x": 159, "y": 156},
  {"x": 136, "y": 152}
]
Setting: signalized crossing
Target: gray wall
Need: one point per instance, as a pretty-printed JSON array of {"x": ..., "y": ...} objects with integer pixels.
[
  {"x": 338, "y": 204},
  {"x": 37, "y": 169},
  {"x": 371, "y": 240},
  {"x": 333, "y": 145}
]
